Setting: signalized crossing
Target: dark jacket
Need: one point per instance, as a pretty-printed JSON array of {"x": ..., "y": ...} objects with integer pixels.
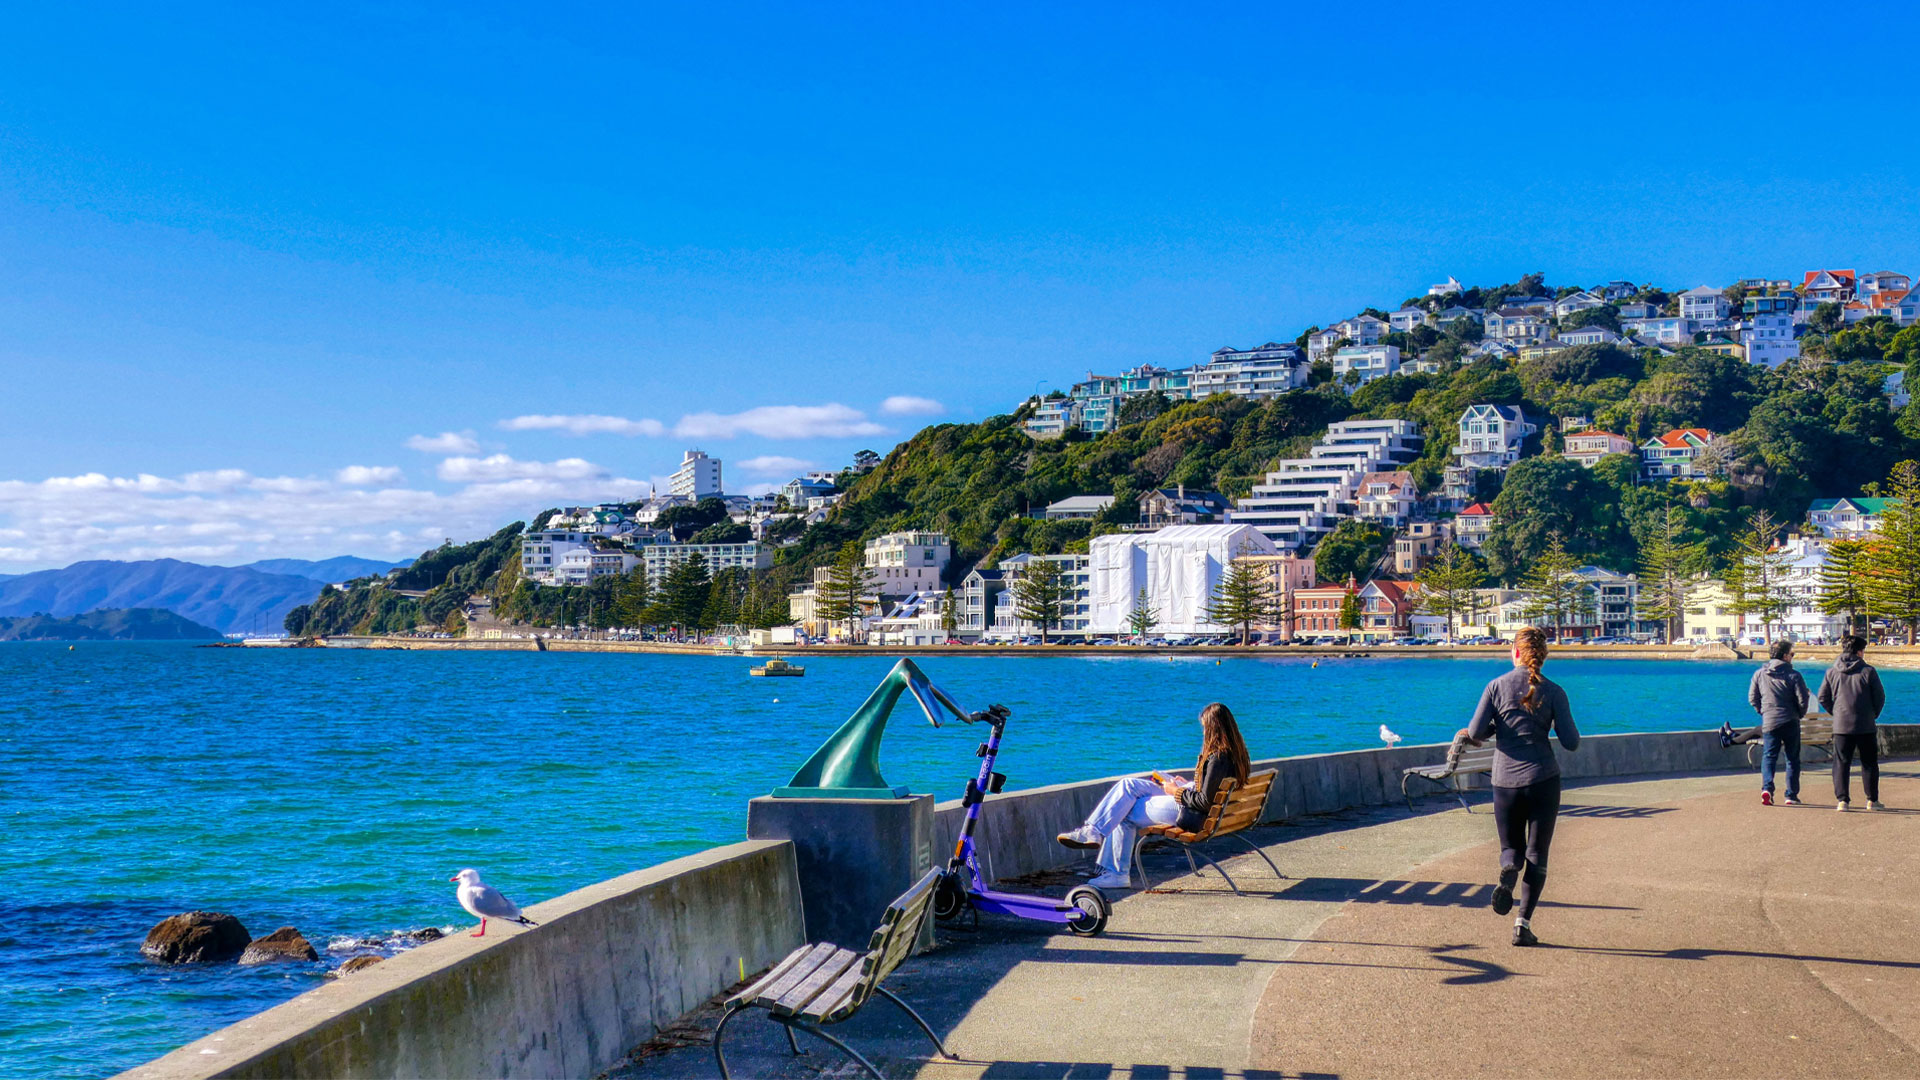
[
  {"x": 1522, "y": 738},
  {"x": 1778, "y": 694},
  {"x": 1196, "y": 801},
  {"x": 1853, "y": 694}
]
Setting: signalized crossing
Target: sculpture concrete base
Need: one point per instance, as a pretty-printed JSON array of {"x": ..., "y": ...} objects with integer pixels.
[{"x": 854, "y": 857}]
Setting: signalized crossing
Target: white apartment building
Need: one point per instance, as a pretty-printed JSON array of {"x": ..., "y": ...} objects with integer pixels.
[
  {"x": 1179, "y": 567},
  {"x": 1516, "y": 326},
  {"x": 1369, "y": 362},
  {"x": 1704, "y": 305},
  {"x": 542, "y": 552},
  {"x": 579, "y": 566},
  {"x": 1769, "y": 340},
  {"x": 1666, "y": 330},
  {"x": 1589, "y": 446},
  {"x": 1359, "y": 330},
  {"x": 1406, "y": 318},
  {"x": 1304, "y": 498},
  {"x": 1386, "y": 497},
  {"x": 1580, "y": 301},
  {"x": 1076, "y": 609},
  {"x": 908, "y": 562},
  {"x": 1490, "y": 440},
  {"x": 660, "y": 559},
  {"x": 1264, "y": 372},
  {"x": 697, "y": 477}
]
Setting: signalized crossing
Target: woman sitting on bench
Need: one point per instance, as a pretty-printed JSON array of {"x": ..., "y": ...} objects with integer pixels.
[{"x": 1138, "y": 801}]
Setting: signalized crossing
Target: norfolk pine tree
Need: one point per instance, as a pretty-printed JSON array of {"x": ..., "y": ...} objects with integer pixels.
[
  {"x": 1039, "y": 594},
  {"x": 1667, "y": 569},
  {"x": 1141, "y": 619},
  {"x": 1756, "y": 574},
  {"x": 1846, "y": 583},
  {"x": 839, "y": 592},
  {"x": 1350, "y": 616},
  {"x": 1893, "y": 555},
  {"x": 1447, "y": 586},
  {"x": 1243, "y": 597},
  {"x": 950, "y": 615},
  {"x": 1555, "y": 594}
]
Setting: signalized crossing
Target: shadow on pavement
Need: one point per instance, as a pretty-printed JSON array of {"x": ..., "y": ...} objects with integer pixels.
[
  {"x": 1744, "y": 954},
  {"x": 1330, "y": 890}
]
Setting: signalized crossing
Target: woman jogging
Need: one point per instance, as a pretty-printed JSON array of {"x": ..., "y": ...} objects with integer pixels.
[
  {"x": 1780, "y": 696},
  {"x": 1138, "y": 801},
  {"x": 1852, "y": 692},
  {"x": 1521, "y": 711}
]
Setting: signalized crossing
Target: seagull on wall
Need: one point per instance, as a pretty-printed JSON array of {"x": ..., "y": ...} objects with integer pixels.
[
  {"x": 484, "y": 902},
  {"x": 1386, "y": 736}
]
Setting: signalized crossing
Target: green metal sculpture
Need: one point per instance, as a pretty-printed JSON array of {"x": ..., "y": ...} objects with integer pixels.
[{"x": 847, "y": 765}]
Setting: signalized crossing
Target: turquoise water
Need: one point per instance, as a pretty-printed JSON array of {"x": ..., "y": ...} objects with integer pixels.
[{"x": 336, "y": 790}]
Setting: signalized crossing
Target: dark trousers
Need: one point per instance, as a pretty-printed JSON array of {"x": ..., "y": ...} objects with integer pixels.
[
  {"x": 1867, "y": 745},
  {"x": 1524, "y": 818}
]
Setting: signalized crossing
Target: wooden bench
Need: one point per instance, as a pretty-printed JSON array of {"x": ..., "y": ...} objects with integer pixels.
[
  {"x": 817, "y": 985},
  {"x": 1236, "y": 807},
  {"x": 1816, "y": 732},
  {"x": 1463, "y": 761}
]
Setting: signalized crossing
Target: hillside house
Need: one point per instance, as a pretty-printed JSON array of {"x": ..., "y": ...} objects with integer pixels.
[{"x": 1674, "y": 455}]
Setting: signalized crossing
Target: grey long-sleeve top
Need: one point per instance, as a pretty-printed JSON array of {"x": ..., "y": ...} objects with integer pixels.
[
  {"x": 1852, "y": 692},
  {"x": 1522, "y": 738},
  {"x": 1778, "y": 694}
]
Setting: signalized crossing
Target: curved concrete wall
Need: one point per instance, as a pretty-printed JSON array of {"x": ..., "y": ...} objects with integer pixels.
[{"x": 607, "y": 968}]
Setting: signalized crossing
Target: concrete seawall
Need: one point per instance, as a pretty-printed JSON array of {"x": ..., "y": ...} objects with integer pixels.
[
  {"x": 609, "y": 966},
  {"x": 1017, "y": 829}
]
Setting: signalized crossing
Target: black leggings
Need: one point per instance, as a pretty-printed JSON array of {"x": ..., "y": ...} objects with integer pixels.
[
  {"x": 1844, "y": 747},
  {"x": 1524, "y": 818}
]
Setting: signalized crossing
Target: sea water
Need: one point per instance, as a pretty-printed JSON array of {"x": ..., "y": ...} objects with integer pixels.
[{"x": 336, "y": 790}]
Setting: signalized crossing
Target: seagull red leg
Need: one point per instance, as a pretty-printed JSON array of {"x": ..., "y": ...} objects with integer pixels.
[{"x": 482, "y": 932}]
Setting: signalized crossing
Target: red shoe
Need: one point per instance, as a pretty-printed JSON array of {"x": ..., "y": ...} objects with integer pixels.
[{"x": 1766, "y": 798}]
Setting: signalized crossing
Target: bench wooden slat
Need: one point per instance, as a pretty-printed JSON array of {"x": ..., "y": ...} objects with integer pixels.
[
  {"x": 822, "y": 976},
  {"x": 773, "y": 975},
  {"x": 795, "y": 975},
  {"x": 844, "y": 997}
]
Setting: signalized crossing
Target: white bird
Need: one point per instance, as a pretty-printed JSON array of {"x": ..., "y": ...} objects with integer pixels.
[
  {"x": 1386, "y": 736},
  {"x": 484, "y": 902}
]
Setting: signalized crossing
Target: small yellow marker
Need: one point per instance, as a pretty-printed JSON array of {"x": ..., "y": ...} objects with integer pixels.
[{"x": 743, "y": 969}]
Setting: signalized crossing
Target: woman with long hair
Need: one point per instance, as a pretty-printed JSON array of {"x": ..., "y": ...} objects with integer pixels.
[
  {"x": 1139, "y": 801},
  {"x": 1521, "y": 711}
]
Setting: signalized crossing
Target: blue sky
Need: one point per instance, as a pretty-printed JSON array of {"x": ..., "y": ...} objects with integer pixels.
[{"x": 248, "y": 256}]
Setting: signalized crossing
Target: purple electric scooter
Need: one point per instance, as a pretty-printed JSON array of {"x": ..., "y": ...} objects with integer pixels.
[{"x": 1085, "y": 908}]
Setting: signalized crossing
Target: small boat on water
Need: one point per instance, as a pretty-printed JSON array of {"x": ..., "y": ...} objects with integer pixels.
[{"x": 777, "y": 667}]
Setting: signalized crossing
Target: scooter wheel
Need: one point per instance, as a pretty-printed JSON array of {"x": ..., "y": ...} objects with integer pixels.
[
  {"x": 1094, "y": 910},
  {"x": 949, "y": 899}
]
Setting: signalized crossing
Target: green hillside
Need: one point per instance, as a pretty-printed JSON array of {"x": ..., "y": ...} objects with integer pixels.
[{"x": 121, "y": 624}]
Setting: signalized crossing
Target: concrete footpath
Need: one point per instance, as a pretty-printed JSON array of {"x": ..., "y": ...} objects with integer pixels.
[{"x": 1690, "y": 932}]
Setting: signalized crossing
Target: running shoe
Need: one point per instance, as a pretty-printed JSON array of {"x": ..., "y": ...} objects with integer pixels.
[
  {"x": 1789, "y": 801},
  {"x": 1502, "y": 898},
  {"x": 1766, "y": 799},
  {"x": 1876, "y": 804},
  {"x": 1523, "y": 935},
  {"x": 1841, "y": 806},
  {"x": 1083, "y": 838},
  {"x": 1726, "y": 733},
  {"x": 1112, "y": 881}
]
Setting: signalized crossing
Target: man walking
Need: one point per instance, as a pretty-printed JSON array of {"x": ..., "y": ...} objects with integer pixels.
[
  {"x": 1853, "y": 694},
  {"x": 1780, "y": 696}
]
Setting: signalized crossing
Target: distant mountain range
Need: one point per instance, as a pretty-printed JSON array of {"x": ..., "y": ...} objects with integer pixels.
[
  {"x": 125, "y": 624},
  {"x": 334, "y": 571},
  {"x": 231, "y": 599}
]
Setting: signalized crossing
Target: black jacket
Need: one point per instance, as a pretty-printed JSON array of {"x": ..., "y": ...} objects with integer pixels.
[
  {"x": 1523, "y": 750},
  {"x": 1853, "y": 694},
  {"x": 1778, "y": 694},
  {"x": 1197, "y": 801}
]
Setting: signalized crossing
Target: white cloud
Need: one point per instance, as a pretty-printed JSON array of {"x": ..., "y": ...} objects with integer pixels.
[
  {"x": 832, "y": 421},
  {"x": 586, "y": 424},
  {"x": 907, "y": 405},
  {"x": 447, "y": 442},
  {"x": 499, "y": 467},
  {"x": 773, "y": 463},
  {"x": 367, "y": 475}
]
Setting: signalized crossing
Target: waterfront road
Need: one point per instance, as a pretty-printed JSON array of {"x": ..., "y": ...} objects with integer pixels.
[{"x": 1688, "y": 931}]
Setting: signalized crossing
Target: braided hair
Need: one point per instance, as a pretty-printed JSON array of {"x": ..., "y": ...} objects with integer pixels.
[{"x": 1530, "y": 644}]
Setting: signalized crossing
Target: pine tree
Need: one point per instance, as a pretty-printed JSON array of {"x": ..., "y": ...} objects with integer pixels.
[
  {"x": 1243, "y": 597},
  {"x": 1755, "y": 577},
  {"x": 840, "y": 591},
  {"x": 1893, "y": 555},
  {"x": 1039, "y": 594},
  {"x": 1350, "y": 617},
  {"x": 950, "y": 615},
  {"x": 684, "y": 594},
  {"x": 1557, "y": 596},
  {"x": 630, "y": 599},
  {"x": 1668, "y": 570},
  {"x": 1846, "y": 583},
  {"x": 1447, "y": 585},
  {"x": 1141, "y": 619}
]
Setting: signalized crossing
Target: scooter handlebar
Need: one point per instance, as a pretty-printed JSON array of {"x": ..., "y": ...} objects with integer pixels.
[{"x": 989, "y": 715}]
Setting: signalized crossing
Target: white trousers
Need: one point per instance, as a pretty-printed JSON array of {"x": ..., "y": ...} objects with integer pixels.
[{"x": 1127, "y": 807}]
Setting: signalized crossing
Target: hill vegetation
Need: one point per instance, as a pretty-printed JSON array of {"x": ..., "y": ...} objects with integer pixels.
[
  {"x": 231, "y": 599},
  {"x": 124, "y": 624}
]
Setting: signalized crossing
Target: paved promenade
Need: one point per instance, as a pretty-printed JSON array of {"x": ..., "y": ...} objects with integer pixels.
[{"x": 1687, "y": 930}]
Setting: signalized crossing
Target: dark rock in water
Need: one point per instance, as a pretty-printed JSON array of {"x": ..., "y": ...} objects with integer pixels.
[
  {"x": 431, "y": 933},
  {"x": 283, "y": 944},
  {"x": 358, "y": 963},
  {"x": 195, "y": 936}
]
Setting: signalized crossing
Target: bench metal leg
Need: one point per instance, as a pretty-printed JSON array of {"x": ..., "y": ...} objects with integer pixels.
[
  {"x": 1404, "y": 777},
  {"x": 1191, "y": 865},
  {"x": 791, "y": 1043},
  {"x": 1136, "y": 866},
  {"x": 720, "y": 1032},
  {"x": 937, "y": 1044},
  {"x": 843, "y": 1047},
  {"x": 1191, "y": 851},
  {"x": 1259, "y": 852},
  {"x": 1460, "y": 794}
]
